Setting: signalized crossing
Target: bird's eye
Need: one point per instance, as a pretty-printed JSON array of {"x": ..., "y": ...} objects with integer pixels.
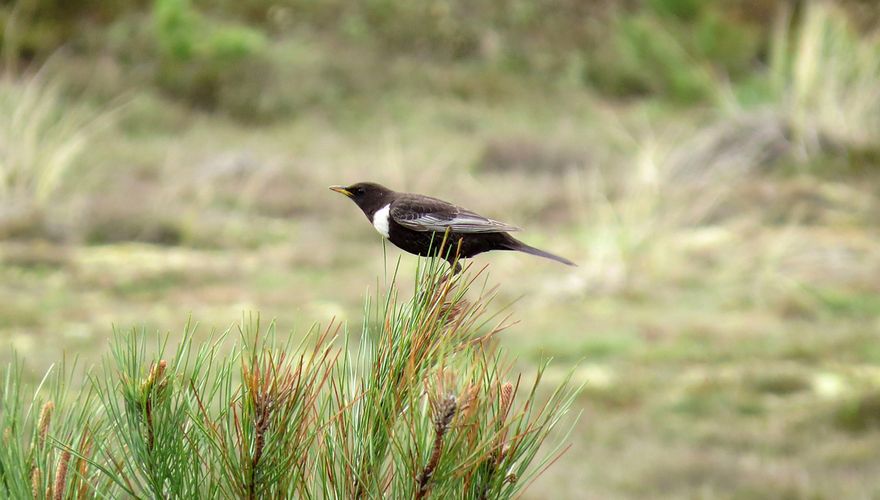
[{"x": 358, "y": 191}]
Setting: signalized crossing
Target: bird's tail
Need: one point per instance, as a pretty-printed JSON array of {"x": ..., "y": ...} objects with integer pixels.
[{"x": 519, "y": 246}]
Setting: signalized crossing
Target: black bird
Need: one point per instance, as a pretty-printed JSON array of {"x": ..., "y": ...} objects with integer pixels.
[{"x": 418, "y": 224}]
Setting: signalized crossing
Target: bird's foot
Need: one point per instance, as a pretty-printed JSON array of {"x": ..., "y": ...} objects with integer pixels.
[{"x": 454, "y": 269}]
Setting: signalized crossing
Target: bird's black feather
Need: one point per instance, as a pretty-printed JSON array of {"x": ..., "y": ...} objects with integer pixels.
[
  {"x": 423, "y": 213},
  {"x": 423, "y": 225}
]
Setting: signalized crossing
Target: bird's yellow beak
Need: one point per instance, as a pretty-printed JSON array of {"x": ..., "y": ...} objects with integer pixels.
[{"x": 341, "y": 190}]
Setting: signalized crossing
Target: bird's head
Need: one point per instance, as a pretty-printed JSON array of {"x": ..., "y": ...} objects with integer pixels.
[{"x": 369, "y": 196}]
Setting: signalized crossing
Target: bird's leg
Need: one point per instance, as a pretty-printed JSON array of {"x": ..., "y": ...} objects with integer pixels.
[{"x": 454, "y": 268}]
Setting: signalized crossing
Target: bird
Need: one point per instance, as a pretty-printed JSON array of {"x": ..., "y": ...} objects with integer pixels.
[{"x": 419, "y": 224}]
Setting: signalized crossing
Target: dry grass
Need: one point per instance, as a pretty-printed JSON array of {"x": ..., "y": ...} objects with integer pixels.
[
  {"x": 825, "y": 75},
  {"x": 43, "y": 140},
  {"x": 43, "y": 137},
  {"x": 820, "y": 98}
]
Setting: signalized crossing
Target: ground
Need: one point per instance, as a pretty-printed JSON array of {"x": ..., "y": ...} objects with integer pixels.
[{"x": 727, "y": 352}]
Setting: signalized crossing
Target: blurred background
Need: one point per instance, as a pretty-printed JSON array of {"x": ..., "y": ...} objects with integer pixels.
[{"x": 713, "y": 167}]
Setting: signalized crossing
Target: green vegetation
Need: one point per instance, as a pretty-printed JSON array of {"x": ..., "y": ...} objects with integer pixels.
[
  {"x": 203, "y": 62},
  {"x": 424, "y": 404},
  {"x": 678, "y": 49},
  {"x": 256, "y": 59}
]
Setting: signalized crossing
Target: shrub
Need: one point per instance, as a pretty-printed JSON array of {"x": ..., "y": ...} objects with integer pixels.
[
  {"x": 677, "y": 49},
  {"x": 421, "y": 405},
  {"x": 645, "y": 57},
  {"x": 32, "y": 30},
  {"x": 206, "y": 62}
]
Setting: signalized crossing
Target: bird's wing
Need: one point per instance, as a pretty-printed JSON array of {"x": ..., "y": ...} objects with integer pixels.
[{"x": 422, "y": 213}]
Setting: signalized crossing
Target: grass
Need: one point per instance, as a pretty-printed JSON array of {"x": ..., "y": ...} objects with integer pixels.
[
  {"x": 825, "y": 74},
  {"x": 49, "y": 137},
  {"x": 44, "y": 141},
  {"x": 695, "y": 305}
]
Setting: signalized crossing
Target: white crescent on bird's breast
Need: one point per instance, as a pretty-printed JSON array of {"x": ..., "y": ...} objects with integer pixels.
[{"x": 380, "y": 220}]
